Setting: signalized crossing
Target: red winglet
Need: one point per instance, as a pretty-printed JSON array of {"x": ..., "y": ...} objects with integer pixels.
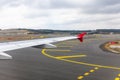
[{"x": 80, "y": 36}]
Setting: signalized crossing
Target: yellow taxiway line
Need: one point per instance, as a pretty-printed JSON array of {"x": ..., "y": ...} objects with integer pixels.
[
  {"x": 69, "y": 44},
  {"x": 58, "y": 50},
  {"x": 83, "y": 63},
  {"x": 87, "y": 73},
  {"x": 73, "y": 56},
  {"x": 118, "y": 77}
]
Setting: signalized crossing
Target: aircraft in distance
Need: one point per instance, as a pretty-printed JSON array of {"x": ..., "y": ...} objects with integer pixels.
[{"x": 45, "y": 43}]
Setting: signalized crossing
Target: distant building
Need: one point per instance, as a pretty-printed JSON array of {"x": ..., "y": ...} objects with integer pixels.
[{"x": 108, "y": 31}]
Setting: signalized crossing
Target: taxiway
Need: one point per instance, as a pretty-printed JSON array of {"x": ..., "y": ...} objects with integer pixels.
[{"x": 70, "y": 61}]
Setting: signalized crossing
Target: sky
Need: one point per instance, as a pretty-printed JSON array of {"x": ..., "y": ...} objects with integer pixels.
[{"x": 60, "y": 14}]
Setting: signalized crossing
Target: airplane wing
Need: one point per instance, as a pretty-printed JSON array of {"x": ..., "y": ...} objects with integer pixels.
[{"x": 7, "y": 46}]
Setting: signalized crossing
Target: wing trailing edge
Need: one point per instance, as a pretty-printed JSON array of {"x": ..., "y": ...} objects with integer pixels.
[
  {"x": 49, "y": 46},
  {"x": 5, "y": 56},
  {"x": 45, "y": 43},
  {"x": 45, "y": 46}
]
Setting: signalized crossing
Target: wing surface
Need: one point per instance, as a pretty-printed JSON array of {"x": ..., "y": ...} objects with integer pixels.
[{"x": 7, "y": 46}]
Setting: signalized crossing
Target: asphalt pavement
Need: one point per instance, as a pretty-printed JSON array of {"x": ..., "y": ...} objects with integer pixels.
[{"x": 72, "y": 60}]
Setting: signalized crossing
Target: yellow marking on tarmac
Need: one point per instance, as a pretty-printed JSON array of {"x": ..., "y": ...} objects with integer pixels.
[
  {"x": 58, "y": 50},
  {"x": 65, "y": 44},
  {"x": 96, "y": 68},
  {"x": 86, "y": 74},
  {"x": 76, "y": 62},
  {"x": 61, "y": 43},
  {"x": 118, "y": 77},
  {"x": 73, "y": 56},
  {"x": 92, "y": 70},
  {"x": 80, "y": 77}
]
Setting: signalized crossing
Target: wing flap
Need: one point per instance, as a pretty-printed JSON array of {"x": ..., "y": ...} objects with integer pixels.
[
  {"x": 7, "y": 46},
  {"x": 5, "y": 56},
  {"x": 45, "y": 46},
  {"x": 50, "y": 46},
  {"x": 29, "y": 43}
]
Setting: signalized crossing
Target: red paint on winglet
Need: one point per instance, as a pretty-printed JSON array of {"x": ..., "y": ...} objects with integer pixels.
[{"x": 80, "y": 36}]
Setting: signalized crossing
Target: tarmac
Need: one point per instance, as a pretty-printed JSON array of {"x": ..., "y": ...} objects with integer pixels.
[{"x": 72, "y": 60}]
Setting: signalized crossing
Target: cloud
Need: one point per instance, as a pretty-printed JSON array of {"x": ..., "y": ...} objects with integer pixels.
[
  {"x": 87, "y": 6},
  {"x": 37, "y": 4},
  {"x": 31, "y": 14},
  {"x": 7, "y": 3},
  {"x": 60, "y": 14},
  {"x": 102, "y": 7}
]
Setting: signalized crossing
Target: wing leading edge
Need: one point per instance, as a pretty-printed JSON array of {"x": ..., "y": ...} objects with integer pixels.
[{"x": 7, "y": 46}]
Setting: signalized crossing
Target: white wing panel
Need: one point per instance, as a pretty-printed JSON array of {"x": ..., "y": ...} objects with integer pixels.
[
  {"x": 5, "y": 56},
  {"x": 27, "y": 43}
]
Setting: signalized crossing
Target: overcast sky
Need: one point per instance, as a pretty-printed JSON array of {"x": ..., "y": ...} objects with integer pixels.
[{"x": 60, "y": 14}]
